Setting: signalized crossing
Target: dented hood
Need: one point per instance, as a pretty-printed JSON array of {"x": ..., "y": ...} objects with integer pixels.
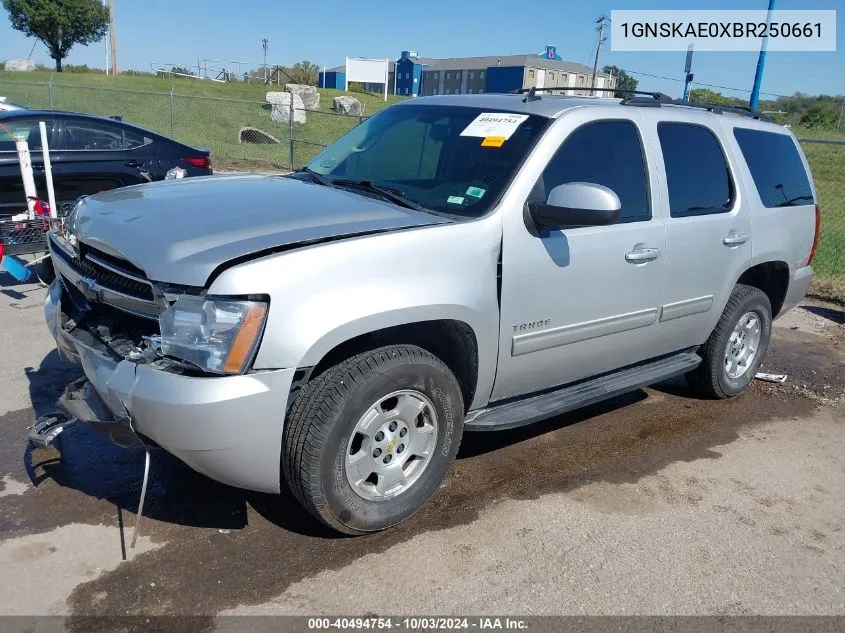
[{"x": 179, "y": 231}]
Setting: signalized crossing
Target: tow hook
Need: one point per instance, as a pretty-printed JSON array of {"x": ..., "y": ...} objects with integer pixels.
[{"x": 48, "y": 427}]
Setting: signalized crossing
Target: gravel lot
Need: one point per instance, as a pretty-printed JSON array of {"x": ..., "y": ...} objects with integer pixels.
[{"x": 653, "y": 503}]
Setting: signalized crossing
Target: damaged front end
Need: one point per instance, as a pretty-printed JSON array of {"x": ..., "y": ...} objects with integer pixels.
[{"x": 188, "y": 389}]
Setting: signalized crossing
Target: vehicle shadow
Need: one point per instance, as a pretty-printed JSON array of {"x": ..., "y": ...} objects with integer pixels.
[
  {"x": 476, "y": 443},
  {"x": 92, "y": 464}
]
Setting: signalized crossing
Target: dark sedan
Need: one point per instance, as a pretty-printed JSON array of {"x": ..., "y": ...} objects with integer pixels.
[{"x": 88, "y": 154}]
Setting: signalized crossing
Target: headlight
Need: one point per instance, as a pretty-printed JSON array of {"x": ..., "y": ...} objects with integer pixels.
[{"x": 218, "y": 335}]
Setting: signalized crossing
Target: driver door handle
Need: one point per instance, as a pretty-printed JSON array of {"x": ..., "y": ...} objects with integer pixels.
[
  {"x": 132, "y": 163},
  {"x": 735, "y": 239},
  {"x": 641, "y": 255}
]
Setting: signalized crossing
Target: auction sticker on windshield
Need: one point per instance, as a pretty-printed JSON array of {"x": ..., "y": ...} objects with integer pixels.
[{"x": 497, "y": 125}]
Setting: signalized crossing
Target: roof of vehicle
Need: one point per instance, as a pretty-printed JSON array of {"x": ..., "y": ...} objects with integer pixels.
[
  {"x": 58, "y": 114},
  {"x": 553, "y": 106}
]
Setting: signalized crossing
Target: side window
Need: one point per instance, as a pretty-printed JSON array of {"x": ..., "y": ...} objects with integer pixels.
[
  {"x": 605, "y": 153},
  {"x": 776, "y": 168},
  {"x": 27, "y": 129},
  {"x": 92, "y": 135},
  {"x": 696, "y": 170}
]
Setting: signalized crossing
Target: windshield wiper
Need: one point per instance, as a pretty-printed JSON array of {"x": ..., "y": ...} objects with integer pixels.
[
  {"x": 388, "y": 193},
  {"x": 320, "y": 179}
]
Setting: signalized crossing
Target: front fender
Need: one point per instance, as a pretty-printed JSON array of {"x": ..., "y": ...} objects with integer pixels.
[{"x": 324, "y": 295}]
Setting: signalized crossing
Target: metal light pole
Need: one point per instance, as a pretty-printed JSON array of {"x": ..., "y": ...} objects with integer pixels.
[
  {"x": 761, "y": 62},
  {"x": 688, "y": 72}
]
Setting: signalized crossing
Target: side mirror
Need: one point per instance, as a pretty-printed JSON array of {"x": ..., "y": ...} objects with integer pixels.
[{"x": 576, "y": 204}]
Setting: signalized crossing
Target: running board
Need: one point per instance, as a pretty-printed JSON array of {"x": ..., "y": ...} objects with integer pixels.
[{"x": 582, "y": 394}]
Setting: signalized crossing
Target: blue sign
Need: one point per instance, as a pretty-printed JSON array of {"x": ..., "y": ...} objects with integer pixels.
[{"x": 550, "y": 53}]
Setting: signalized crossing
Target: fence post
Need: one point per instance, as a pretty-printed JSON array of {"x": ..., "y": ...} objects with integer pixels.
[
  {"x": 291, "y": 129},
  {"x": 50, "y": 90},
  {"x": 171, "y": 112}
]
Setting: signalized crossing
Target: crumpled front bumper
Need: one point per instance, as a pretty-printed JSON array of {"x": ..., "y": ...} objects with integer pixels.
[{"x": 228, "y": 428}]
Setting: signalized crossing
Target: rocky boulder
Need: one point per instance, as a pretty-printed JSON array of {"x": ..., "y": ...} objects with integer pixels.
[
  {"x": 20, "y": 65},
  {"x": 347, "y": 105},
  {"x": 280, "y": 107},
  {"x": 309, "y": 94}
]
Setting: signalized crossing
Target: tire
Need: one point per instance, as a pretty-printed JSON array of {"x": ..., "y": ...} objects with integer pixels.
[
  {"x": 326, "y": 428},
  {"x": 714, "y": 377}
]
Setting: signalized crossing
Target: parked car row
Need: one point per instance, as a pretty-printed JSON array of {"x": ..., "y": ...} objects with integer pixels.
[{"x": 88, "y": 154}]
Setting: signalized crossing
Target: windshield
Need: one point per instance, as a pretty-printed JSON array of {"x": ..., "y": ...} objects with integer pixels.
[{"x": 448, "y": 159}]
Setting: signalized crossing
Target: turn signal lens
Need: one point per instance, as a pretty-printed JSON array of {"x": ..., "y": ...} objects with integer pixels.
[{"x": 245, "y": 340}]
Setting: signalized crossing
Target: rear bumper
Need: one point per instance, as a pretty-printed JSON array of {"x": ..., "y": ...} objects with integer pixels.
[
  {"x": 228, "y": 428},
  {"x": 799, "y": 285}
]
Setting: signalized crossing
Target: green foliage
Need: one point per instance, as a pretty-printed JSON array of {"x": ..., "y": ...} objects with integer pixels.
[
  {"x": 304, "y": 72},
  {"x": 80, "y": 68},
  {"x": 822, "y": 114},
  {"x": 59, "y": 24},
  {"x": 705, "y": 95},
  {"x": 356, "y": 86},
  {"x": 624, "y": 82}
]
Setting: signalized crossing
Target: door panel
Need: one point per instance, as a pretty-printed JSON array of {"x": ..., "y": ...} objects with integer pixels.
[
  {"x": 580, "y": 301},
  {"x": 98, "y": 156},
  {"x": 707, "y": 245}
]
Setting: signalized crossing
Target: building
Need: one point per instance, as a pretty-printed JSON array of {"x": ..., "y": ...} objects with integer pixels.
[
  {"x": 336, "y": 78},
  {"x": 472, "y": 75},
  {"x": 413, "y": 76}
]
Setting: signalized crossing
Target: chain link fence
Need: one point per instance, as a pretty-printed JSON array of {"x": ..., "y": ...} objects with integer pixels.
[
  {"x": 827, "y": 162},
  {"x": 242, "y": 135},
  {"x": 224, "y": 126}
]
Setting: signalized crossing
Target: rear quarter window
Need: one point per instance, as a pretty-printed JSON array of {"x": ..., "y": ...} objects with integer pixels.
[{"x": 776, "y": 168}]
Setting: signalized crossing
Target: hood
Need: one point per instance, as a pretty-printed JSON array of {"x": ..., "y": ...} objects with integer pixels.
[{"x": 179, "y": 231}]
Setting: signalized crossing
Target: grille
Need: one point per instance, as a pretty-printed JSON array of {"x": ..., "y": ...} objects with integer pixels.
[{"x": 106, "y": 277}]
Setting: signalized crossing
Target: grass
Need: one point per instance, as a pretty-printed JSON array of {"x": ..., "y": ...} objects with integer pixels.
[
  {"x": 827, "y": 163},
  {"x": 199, "y": 113},
  {"x": 210, "y": 114}
]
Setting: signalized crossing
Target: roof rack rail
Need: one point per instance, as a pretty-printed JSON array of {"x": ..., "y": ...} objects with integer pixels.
[
  {"x": 715, "y": 108},
  {"x": 531, "y": 93},
  {"x": 648, "y": 99}
]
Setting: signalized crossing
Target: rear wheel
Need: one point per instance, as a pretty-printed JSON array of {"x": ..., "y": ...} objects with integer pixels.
[
  {"x": 372, "y": 438},
  {"x": 737, "y": 346}
]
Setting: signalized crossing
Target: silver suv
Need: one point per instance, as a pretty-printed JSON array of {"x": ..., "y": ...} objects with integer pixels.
[{"x": 464, "y": 263}]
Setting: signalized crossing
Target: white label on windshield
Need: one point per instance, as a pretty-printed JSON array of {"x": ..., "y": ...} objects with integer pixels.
[{"x": 496, "y": 124}]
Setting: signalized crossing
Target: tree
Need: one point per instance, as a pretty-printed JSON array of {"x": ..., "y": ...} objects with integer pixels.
[
  {"x": 59, "y": 24},
  {"x": 705, "y": 95},
  {"x": 304, "y": 72},
  {"x": 624, "y": 82},
  {"x": 822, "y": 114}
]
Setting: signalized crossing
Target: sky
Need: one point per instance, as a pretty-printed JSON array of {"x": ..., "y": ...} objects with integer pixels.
[{"x": 164, "y": 32}]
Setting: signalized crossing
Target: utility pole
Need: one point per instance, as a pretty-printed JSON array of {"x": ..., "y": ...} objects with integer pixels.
[
  {"x": 113, "y": 40},
  {"x": 264, "y": 43},
  {"x": 601, "y": 22},
  {"x": 761, "y": 61}
]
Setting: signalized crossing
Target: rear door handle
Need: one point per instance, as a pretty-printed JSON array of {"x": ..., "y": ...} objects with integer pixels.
[
  {"x": 641, "y": 255},
  {"x": 132, "y": 163},
  {"x": 735, "y": 239}
]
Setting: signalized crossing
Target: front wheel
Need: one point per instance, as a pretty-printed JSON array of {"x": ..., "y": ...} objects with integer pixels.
[
  {"x": 736, "y": 347},
  {"x": 372, "y": 438}
]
